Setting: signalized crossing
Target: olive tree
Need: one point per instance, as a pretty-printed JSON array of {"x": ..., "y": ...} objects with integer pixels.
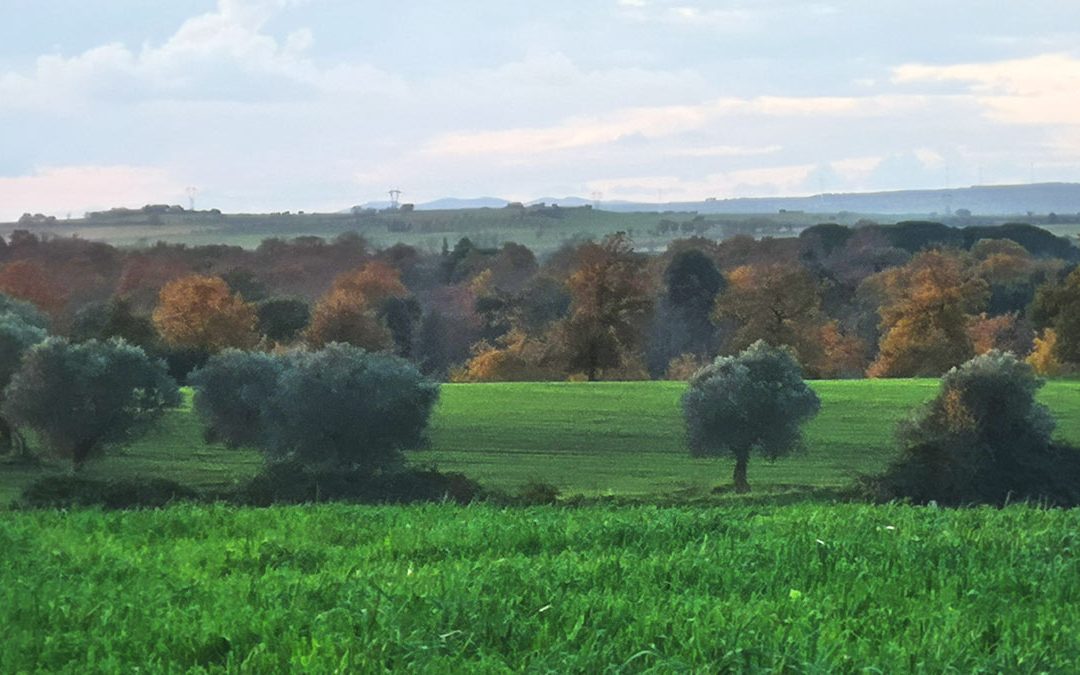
[
  {"x": 754, "y": 402},
  {"x": 232, "y": 395},
  {"x": 16, "y": 338},
  {"x": 339, "y": 407},
  {"x": 81, "y": 397}
]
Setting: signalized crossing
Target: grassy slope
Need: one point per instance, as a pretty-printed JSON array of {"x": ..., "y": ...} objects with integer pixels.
[
  {"x": 808, "y": 588},
  {"x": 604, "y": 438}
]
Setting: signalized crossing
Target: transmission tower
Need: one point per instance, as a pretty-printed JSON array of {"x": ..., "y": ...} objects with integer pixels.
[
  {"x": 597, "y": 197},
  {"x": 395, "y": 198},
  {"x": 191, "y": 192}
]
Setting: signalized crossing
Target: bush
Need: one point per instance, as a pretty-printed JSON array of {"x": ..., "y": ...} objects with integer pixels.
[
  {"x": 753, "y": 402},
  {"x": 63, "y": 492},
  {"x": 983, "y": 439},
  {"x": 292, "y": 482}
]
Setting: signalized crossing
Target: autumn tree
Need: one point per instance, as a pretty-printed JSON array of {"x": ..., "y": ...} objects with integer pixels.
[
  {"x": 927, "y": 305},
  {"x": 350, "y": 311},
  {"x": 29, "y": 281},
  {"x": 609, "y": 304},
  {"x": 780, "y": 304},
  {"x": 515, "y": 357},
  {"x": 1057, "y": 306},
  {"x": 200, "y": 312}
]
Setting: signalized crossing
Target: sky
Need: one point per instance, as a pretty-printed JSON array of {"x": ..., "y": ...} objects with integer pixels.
[{"x": 317, "y": 105}]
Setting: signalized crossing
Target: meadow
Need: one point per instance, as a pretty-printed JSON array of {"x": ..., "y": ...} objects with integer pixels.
[
  {"x": 440, "y": 588},
  {"x": 621, "y": 439}
]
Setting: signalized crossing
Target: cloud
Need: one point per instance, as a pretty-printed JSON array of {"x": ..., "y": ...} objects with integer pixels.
[
  {"x": 74, "y": 189},
  {"x": 656, "y": 122},
  {"x": 1039, "y": 90},
  {"x": 220, "y": 55}
]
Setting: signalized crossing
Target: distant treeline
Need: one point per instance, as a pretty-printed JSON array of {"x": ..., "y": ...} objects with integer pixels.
[{"x": 914, "y": 298}]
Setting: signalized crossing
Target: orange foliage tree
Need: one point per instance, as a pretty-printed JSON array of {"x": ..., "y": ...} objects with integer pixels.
[
  {"x": 201, "y": 312},
  {"x": 27, "y": 281},
  {"x": 781, "y": 305},
  {"x": 348, "y": 312},
  {"x": 928, "y": 304},
  {"x": 515, "y": 358},
  {"x": 609, "y": 303}
]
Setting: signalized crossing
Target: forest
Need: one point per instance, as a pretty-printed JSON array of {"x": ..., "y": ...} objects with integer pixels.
[{"x": 904, "y": 300}]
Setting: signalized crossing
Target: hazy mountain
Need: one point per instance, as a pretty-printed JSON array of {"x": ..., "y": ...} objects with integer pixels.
[{"x": 996, "y": 200}]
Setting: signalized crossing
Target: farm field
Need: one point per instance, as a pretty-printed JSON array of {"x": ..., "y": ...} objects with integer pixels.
[
  {"x": 617, "y": 439},
  {"x": 441, "y": 588}
]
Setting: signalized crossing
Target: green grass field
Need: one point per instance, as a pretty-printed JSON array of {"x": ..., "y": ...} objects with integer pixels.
[
  {"x": 444, "y": 589},
  {"x": 623, "y": 439}
]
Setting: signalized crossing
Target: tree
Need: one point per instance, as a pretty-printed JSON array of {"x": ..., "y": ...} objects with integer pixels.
[
  {"x": 16, "y": 338},
  {"x": 780, "y": 304},
  {"x": 339, "y": 407},
  {"x": 983, "y": 439},
  {"x": 609, "y": 304},
  {"x": 926, "y": 308},
  {"x": 682, "y": 323},
  {"x": 232, "y": 394},
  {"x": 107, "y": 391},
  {"x": 514, "y": 358},
  {"x": 755, "y": 401},
  {"x": 201, "y": 312},
  {"x": 28, "y": 281},
  {"x": 349, "y": 312},
  {"x": 283, "y": 319},
  {"x": 1057, "y": 306}
]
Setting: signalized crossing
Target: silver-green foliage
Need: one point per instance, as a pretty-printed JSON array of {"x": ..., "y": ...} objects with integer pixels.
[
  {"x": 339, "y": 406},
  {"x": 754, "y": 401},
  {"x": 81, "y": 397}
]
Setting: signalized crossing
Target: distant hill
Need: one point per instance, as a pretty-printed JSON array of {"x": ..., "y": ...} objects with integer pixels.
[
  {"x": 987, "y": 200},
  {"x": 999, "y": 200}
]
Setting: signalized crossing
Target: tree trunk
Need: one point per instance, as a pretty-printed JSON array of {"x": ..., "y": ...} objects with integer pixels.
[
  {"x": 742, "y": 486},
  {"x": 79, "y": 454}
]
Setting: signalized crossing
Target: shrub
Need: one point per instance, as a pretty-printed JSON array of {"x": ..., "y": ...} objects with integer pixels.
[
  {"x": 292, "y": 482},
  {"x": 753, "y": 402},
  {"x": 983, "y": 439},
  {"x": 62, "y": 492}
]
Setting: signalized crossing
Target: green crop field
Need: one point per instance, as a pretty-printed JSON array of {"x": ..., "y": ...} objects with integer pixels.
[
  {"x": 438, "y": 588},
  {"x": 623, "y": 439}
]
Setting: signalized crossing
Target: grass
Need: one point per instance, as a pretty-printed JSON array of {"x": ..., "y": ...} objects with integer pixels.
[
  {"x": 444, "y": 589},
  {"x": 623, "y": 439}
]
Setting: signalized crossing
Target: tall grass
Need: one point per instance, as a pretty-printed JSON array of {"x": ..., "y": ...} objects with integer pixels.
[{"x": 806, "y": 588}]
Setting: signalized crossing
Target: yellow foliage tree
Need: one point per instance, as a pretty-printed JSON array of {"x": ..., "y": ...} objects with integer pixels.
[
  {"x": 925, "y": 314},
  {"x": 1043, "y": 357},
  {"x": 349, "y": 310},
  {"x": 201, "y": 312},
  {"x": 516, "y": 358}
]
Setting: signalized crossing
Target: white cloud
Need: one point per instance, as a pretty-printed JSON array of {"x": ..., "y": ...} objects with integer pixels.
[{"x": 1040, "y": 90}]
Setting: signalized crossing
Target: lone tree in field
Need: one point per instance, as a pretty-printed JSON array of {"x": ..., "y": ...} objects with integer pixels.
[
  {"x": 756, "y": 401},
  {"x": 339, "y": 407},
  {"x": 983, "y": 439},
  {"x": 80, "y": 397}
]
